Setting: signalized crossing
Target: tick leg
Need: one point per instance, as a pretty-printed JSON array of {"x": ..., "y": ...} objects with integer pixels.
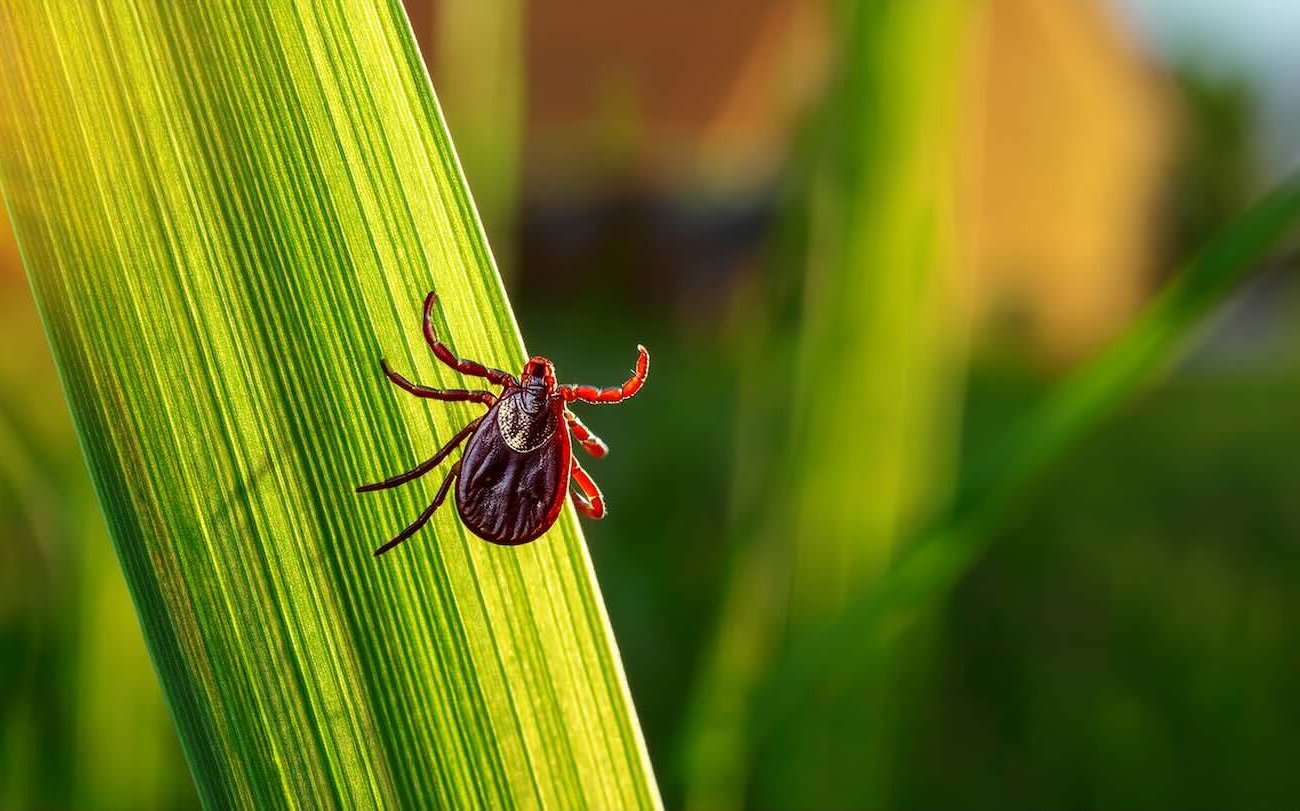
[
  {"x": 613, "y": 394},
  {"x": 426, "y": 515},
  {"x": 450, "y": 395},
  {"x": 444, "y": 354},
  {"x": 594, "y": 444},
  {"x": 424, "y": 467},
  {"x": 590, "y": 501}
]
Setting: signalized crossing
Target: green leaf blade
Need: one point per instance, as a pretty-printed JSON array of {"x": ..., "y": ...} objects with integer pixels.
[{"x": 227, "y": 219}]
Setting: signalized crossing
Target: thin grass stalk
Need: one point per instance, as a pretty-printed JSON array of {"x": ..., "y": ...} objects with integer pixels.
[
  {"x": 480, "y": 73},
  {"x": 862, "y": 439}
]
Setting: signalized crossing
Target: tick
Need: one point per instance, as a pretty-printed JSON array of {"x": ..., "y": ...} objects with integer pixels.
[{"x": 513, "y": 477}]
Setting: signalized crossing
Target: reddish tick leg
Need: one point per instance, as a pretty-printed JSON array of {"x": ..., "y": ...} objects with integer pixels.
[
  {"x": 613, "y": 394},
  {"x": 426, "y": 515},
  {"x": 465, "y": 367},
  {"x": 594, "y": 444},
  {"x": 590, "y": 501},
  {"x": 451, "y": 395},
  {"x": 426, "y": 466}
]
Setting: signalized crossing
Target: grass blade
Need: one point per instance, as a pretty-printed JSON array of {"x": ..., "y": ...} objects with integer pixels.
[{"x": 227, "y": 215}]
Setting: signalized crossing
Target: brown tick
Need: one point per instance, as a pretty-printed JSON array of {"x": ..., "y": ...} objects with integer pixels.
[{"x": 512, "y": 479}]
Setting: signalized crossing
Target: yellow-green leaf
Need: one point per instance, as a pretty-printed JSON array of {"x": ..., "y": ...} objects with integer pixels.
[{"x": 228, "y": 213}]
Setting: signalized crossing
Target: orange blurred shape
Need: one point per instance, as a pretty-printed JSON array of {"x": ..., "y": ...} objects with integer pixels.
[
  {"x": 673, "y": 96},
  {"x": 1067, "y": 173},
  {"x": 1068, "y": 135},
  {"x": 655, "y": 79}
]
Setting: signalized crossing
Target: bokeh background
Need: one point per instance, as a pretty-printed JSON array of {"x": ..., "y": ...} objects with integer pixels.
[{"x": 734, "y": 184}]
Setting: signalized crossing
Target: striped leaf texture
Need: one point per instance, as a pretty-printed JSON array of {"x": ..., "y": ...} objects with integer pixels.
[{"x": 229, "y": 212}]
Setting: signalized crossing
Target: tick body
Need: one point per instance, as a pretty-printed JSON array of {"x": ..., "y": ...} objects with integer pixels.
[{"x": 518, "y": 468}]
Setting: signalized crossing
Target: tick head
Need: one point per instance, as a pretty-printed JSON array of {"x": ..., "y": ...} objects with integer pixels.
[{"x": 538, "y": 382}]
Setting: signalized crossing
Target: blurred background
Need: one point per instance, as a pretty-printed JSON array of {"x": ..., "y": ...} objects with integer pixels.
[{"x": 862, "y": 239}]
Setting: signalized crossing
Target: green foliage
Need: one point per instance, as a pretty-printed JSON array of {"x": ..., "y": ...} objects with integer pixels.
[
  {"x": 1002, "y": 482},
  {"x": 1127, "y": 640},
  {"x": 227, "y": 216},
  {"x": 848, "y": 535}
]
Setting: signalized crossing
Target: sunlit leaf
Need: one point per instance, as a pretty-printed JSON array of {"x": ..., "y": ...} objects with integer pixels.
[{"x": 228, "y": 214}]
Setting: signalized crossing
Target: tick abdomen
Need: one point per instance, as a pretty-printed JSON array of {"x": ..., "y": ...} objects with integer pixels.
[{"x": 514, "y": 475}]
